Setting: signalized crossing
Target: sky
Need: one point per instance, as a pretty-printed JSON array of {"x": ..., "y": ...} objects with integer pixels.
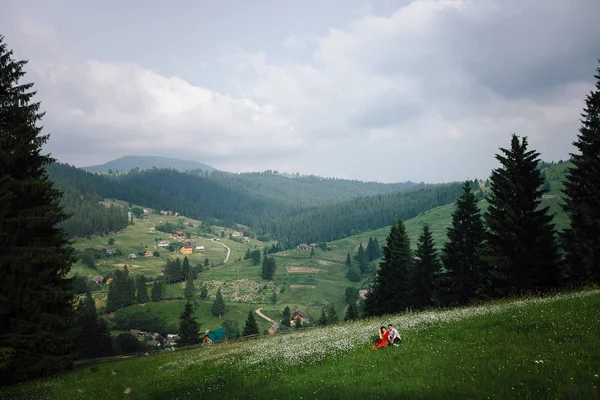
[{"x": 388, "y": 91}]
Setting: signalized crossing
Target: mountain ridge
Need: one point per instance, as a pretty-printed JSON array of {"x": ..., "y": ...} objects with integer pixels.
[{"x": 127, "y": 163}]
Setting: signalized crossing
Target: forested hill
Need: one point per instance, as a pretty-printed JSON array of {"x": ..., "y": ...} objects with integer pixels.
[
  {"x": 127, "y": 163},
  {"x": 335, "y": 221},
  {"x": 302, "y": 190},
  {"x": 257, "y": 202},
  {"x": 87, "y": 215}
]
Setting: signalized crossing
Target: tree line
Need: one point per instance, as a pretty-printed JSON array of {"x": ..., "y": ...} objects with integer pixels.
[
  {"x": 287, "y": 221},
  {"x": 513, "y": 248}
]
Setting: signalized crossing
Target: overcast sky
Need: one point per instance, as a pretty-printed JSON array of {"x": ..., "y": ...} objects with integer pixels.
[{"x": 373, "y": 90}]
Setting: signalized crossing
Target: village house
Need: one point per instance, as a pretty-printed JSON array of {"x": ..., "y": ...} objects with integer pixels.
[
  {"x": 132, "y": 256},
  {"x": 302, "y": 246},
  {"x": 163, "y": 243},
  {"x": 236, "y": 234},
  {"x": 148, "y": 253},
  {"x": 298, "y": 314},
  {"x": 179, "y": 235},
  {"x": 215, "y": 336},
  {"x": 312, "y": 246},
  {"x": 110, "y": 251},
  {"x": 186, "y": 250},
  {"x": 98, "y": 279},
  {"x": 200, "y": 249},
  {"x": 363, "y": 293},
  {"x": 273, "y": 329},
  {"x": 146, "y": 211},
  {"x": 171, "y": 339}
]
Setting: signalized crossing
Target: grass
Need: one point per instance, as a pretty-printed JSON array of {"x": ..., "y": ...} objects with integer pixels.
[
  {"x": 244, "y": 289},
  {"x": 534, "y": 348},
  {"x": 141, "y": 237}
]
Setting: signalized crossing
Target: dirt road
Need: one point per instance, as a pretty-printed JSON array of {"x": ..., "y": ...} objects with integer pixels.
[
  {"x": 228, "y": 251},
  {"x": 263, "y": 316}
]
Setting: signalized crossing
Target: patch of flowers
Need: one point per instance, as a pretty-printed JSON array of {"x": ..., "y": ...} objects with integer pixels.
[
  {"x": 314, "y": 345},
  {"x": 242, "y": 290}
]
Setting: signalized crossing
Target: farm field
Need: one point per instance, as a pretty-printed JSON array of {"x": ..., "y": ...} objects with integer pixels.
[{"x": 531, "y": 348}]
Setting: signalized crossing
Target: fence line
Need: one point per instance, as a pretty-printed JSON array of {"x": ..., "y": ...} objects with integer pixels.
[{"x": 100, "y": 360}]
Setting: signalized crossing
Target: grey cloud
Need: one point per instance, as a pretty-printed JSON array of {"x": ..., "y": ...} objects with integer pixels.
[{"x": 370, "y": 90}]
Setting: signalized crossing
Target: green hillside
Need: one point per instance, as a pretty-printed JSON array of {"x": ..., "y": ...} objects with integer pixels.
[
  {"x": 535, "y": 348},
  {"x": 440, "y": 218}
]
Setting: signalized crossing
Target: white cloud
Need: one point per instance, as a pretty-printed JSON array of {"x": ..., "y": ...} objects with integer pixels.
[{"x": 428, "y": 92}]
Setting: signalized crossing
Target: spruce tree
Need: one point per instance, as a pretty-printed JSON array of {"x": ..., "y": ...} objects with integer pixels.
[
  {"x": 250, "y": 326},
  {"x": 353, "y": 274},
  {"x": 141, "y": 289},
  {"x": 218, "y": 306},
  {"x": 185, "y": 268},
  {"x": 121, "y": 291},
  {"x": 465, "y": 277},
  {"x": 323, "y": 319},
  {"x": 332, "y": 317},
  {"x": 190, "y": 291},
  {"x": 268, "y": 268},
  {"x": 188, "y": 327},
  {"x": 376, "y": 250},
  {"x": 93, "y": 336},
  {"x": 373, "y": 250},
  {"x": 158, "y": 290},
  {"x": 521, "y": 247},
  {"x": 582, "y": 193},
  {"x": 204, "y": 292},
  {"x": 348, "y": 260},
  {"x": 285, "y": 316},
  {"x": 362, "y": 260},
  {"x": 36, "y": 311},
  {"x": 389, "y": 292},
  {"x": 351, "y": 312},
  {"x": 425, "y": 275}
]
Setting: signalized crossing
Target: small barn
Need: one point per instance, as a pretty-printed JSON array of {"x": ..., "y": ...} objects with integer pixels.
[{"x": 216, "y": 336}]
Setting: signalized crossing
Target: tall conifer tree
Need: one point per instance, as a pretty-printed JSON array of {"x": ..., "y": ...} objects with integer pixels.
[
  {"x": 36, "y": 311},
  {"x": 362, "y": 259},
  {"x": 218, "y": 306},
  {"x": 465, "y": 277},
  {"x": 425, "y": 275},
  {"x": 582, "y": 193},
  {"x": 188, "y": 327},
  {"x": 141, "y": 289},
  {"x": 250, "y": 326},
  {"x": 190, "y": 290},
  {"x": 389, "y": 292},
  {"x": 521, "y": 240},
  {"x": 93, "y": 336}
]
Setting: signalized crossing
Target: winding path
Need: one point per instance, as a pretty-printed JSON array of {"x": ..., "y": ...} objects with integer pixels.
[
  {"x": 228, "y": 251},
  {"x": 260, "y": 314}
]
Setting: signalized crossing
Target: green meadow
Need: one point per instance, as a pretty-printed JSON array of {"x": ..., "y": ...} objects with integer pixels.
[
  {"x": 531, "y": 348},
  {"x": 240, "y": 281}
]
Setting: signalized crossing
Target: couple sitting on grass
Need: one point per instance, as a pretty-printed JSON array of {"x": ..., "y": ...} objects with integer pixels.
[{"x": 390, "y": 335}]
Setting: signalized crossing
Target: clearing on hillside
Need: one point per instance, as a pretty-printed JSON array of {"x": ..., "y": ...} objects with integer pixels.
[{"x": 302, "y": 269}]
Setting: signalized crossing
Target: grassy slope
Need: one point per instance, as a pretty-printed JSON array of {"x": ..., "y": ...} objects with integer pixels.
[
  {"x": 331, "y": 280},
  {"x": 331, "y": 277},
  {"x": 440, "y": 218},
  {"x": 520, "y": 349}
]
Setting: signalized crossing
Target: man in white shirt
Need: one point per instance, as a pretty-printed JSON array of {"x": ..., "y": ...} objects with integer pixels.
[{"x": 394, "y": 336}]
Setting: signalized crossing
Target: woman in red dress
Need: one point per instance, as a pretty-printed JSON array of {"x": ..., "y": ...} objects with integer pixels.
[{"x": 383, "y": 339}]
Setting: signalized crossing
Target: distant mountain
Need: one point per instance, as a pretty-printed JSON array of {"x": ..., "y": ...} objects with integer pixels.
[{"x": 127, "y": 163}]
